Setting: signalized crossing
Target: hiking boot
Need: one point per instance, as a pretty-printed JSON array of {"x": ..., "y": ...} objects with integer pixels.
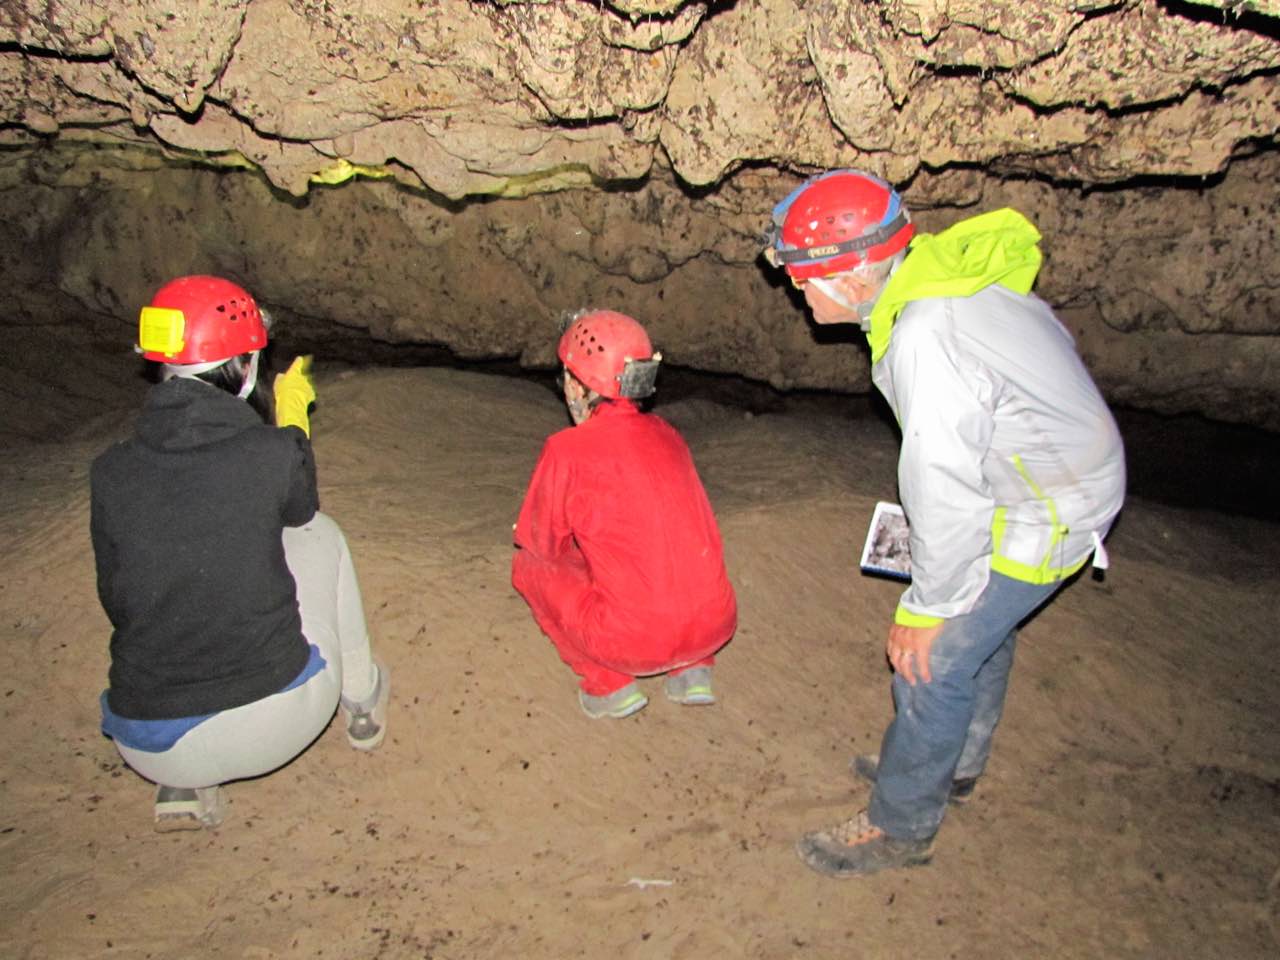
[
  {"x": 621, "y": 703},
  {"x": 690, "y": 687},
  {"x": 185, "y": 808},
  {"x": 866, "y": 765},
  {"x": 367, "y": 720},
  {"x": 855, "y": 849}
]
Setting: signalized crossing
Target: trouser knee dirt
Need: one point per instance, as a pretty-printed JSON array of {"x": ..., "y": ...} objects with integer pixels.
[{"x": 943, "y": 729}]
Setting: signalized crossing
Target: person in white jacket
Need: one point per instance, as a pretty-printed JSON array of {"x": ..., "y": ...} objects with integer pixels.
[{"x": 1011, "y": 473}]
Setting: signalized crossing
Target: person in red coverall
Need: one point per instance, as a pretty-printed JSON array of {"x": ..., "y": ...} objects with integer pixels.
[{"x": 617, "y": 551}]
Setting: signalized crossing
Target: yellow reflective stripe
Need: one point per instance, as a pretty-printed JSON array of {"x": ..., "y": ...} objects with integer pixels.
[
  {"x": 1038, "y": 575},
  {"x": 905, "y": 618},
  {"x": 1042, "y": 572}
]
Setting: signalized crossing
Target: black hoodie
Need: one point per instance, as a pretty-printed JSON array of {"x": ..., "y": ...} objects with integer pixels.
[{"x": 186, "y": 521}]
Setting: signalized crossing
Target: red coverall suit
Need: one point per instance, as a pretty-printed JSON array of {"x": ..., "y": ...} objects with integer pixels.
[{"x": 618, "y": 553}]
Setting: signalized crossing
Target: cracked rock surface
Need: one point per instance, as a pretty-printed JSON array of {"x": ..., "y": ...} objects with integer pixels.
[{"x": 360, "y": 165}]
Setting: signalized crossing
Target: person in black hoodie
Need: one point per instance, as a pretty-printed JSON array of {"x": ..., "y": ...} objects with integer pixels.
[{"x": 238, "y": 627}]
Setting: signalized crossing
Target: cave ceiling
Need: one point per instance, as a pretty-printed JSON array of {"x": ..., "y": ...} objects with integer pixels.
[{"x": 631, "y": 150}]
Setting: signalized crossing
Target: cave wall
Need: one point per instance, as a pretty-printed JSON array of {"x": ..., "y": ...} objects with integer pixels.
[{"x": 458, "y": 173}]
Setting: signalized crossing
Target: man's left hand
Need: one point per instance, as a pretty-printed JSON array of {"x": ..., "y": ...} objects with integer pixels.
[{"x": 908, "y": 650}]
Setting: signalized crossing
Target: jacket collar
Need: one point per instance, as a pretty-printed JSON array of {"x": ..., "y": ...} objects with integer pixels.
[
  {"x": 182, "y": 414},
  {"x": 997, "y": 247}
]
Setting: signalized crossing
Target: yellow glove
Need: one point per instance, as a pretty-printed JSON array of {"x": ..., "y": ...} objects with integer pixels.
[{"x": 294, "y": 393}]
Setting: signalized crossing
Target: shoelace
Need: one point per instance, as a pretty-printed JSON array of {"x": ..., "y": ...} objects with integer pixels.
[{"x": 857, "y": 829}]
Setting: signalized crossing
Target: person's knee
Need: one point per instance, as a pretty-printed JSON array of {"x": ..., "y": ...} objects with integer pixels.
[
  {"x": 324, "y": 525},
  {"x": 319, "y": 540}
]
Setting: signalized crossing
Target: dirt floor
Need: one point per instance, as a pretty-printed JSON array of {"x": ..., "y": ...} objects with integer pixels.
[{"x": 1132, "y": 807}]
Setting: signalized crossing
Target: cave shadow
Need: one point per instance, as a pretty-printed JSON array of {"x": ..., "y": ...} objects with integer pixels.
[{"x": 1187, "y": 461}]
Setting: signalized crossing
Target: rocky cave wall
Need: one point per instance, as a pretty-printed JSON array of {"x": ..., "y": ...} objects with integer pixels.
[{"x": 458, "y": 173}]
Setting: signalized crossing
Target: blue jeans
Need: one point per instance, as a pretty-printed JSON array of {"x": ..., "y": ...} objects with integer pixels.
[{"x": 942, "y": 729}]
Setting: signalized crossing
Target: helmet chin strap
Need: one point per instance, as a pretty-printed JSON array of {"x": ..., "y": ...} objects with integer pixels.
[
  {"x": 862, "y": 308},
  {"x": 833, "y": 292},
  {"x": 250, "y": 377},
  {"x": 192, "y": 371}
]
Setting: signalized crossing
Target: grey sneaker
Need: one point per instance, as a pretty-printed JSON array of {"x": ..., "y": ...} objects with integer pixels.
[
  {"x": 367, "y": 720},
  {"x": 855, "y": 848},
  {"x": 185, "y": 808},
  {"x": 690, "y": 687},
  {"x": 866, "y": 765},
  {"x": 621, "y": 703}
]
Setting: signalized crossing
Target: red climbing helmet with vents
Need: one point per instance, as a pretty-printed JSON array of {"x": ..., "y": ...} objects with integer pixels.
[
  {"x": 200, "y": 319},
  {"x": 611, "y": 354},
  {"x": 835, "y": 222}
]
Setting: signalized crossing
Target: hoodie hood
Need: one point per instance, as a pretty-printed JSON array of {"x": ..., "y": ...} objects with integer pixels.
[
  {"x": 183, "y": 414},
  {"x": 997, "y": 247}
]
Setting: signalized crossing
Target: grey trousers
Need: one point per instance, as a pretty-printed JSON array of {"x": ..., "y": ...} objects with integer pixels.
[{"x": 258, "y": 737}]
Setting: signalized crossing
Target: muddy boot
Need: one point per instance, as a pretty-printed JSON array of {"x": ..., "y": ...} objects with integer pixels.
[
  {"x": 855, "y": 849},
  {"x": 367, "y": 720},
  {"x": 185, "y": 808}
]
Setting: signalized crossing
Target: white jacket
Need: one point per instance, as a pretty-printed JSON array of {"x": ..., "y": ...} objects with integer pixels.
[{"x": 1010, "y": 458}]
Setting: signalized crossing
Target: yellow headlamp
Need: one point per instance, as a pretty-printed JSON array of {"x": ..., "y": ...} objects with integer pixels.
[{"x": 161, "y": 330}]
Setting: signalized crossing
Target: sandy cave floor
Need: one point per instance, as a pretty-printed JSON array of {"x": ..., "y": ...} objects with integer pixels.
[{"x": 1132, "y": 807}]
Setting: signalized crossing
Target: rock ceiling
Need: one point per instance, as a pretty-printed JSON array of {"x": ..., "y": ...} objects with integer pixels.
[{"x": 706, "y": 112}]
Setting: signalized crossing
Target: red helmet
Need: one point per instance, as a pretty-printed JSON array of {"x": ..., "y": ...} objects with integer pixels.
[
  {"x": 835, "y": 222},
  {"x": 200, "y": 319},
  {"x": 601, "y": 346}
]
